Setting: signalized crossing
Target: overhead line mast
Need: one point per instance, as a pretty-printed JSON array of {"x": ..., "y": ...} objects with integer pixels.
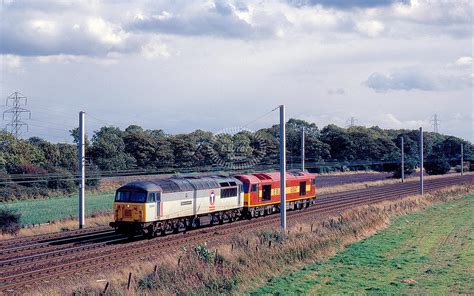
[{"x": 282, "y": 169}]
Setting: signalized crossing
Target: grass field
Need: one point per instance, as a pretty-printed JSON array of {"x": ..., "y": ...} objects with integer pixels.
[
  {"x": 431, "y": 252},
  {"x": 58, "y": 208}
]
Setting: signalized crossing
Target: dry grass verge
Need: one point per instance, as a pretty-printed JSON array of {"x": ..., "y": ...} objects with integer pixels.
[
  {"x": 362, "y": 185},
  {"x": 242, "y": 262},
  {"x": 63, "y": 225}
]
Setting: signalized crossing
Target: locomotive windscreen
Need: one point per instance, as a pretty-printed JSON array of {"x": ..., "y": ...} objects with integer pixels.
[{"x": 130, "y": 196}]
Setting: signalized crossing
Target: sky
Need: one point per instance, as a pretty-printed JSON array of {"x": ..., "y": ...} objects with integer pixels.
[{"x": 215, "y": 65}]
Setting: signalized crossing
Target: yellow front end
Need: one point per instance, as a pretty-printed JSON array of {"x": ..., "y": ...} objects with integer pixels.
[{"x": 130, "y": 212}]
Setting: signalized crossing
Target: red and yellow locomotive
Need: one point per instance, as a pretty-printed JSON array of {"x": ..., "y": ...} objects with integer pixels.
[{"x": 262, "y": 192}]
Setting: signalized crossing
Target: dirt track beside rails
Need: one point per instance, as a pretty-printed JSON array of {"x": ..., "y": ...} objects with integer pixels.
[{"x": 32, "y": 260}]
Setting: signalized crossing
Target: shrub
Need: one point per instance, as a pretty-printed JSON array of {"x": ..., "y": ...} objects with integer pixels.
[
  {"x": 23, "y": 174},
  {"x": 408, "y": 168},
  {"x": 61, "y": 179},
  {"x": 148, "y": 282},
  {"x": 437, "y": 167},
  {"x": 6, "y": 193},
  {"x": 271, "y": 235},
  {"x": 9, "y": 221},
  {"x": 92, "y": 178},
  {"x": 203, "y": 253},
  {"x": 467, "y": 166}
]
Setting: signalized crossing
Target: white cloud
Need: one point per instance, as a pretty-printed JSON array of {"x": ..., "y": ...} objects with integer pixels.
[
  {"x": 429, "y": 11},
  {"x": 389, "y": 120},
  {"x": 60, "y": 58},
  {"x": 464, "y": 61},
  {"x": 44, "y": 27},
  {"x": 154, "y": 49},
  {"x": 207, "y": 53},
  {"x": 408, "y": 79},
  {"x": 370, "y": 28},
  {"x": 164, "y": 15},
  {"x": 11, "y": 62},
  {"x": 106, "y": 32}
]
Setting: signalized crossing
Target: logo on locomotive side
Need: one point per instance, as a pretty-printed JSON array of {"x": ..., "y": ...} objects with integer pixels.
[{"x": 212, "y": 198}]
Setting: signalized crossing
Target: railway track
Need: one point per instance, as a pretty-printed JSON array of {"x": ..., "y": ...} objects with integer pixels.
[
  {"x": 23, "y": 241},
  {"x": 40, "y": 260}
]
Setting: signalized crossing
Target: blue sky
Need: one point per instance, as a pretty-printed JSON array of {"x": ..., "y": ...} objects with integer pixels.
[{"x": 212, "y": 65}]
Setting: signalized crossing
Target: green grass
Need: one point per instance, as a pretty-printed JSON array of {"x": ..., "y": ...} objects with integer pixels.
[
  {"x": 57, "y": 208},
  {"x": 431, "y": 252}
]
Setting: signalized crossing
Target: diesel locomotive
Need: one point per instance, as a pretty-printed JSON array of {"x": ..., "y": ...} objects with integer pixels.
[{"x": 161, "y": 206}]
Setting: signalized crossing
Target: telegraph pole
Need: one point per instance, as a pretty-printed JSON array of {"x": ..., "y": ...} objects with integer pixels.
[
  {"x": 403, "y": 162},
  {"x": 462, "y": 159},
  {"x": 421, "y": 160},
  {"x": 16, "y": 124},
  {"x": 302, "y": 149},
  {"x": 282, "y": 169},
  {"x": 82, "y": 167}
]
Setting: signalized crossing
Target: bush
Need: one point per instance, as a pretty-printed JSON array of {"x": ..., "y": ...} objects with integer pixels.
[
  {"x": 25, "y": 171},
  {"x": 61, "y": 179},
  {"x": 408, "y": 167},
  {"x": 203, "y": 253},
  {"x": 467, "y": 166},
  {"x": 271, "y": 235},
  {"x": 437, "y": 167},
  {"x": 92, "y": 178},
  {"x": 10, "y": 221}
]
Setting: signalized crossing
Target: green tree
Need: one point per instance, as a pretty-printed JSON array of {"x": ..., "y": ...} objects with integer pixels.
[
  {"x": 340, "y": 143},
  {"x": 108, "y": 150}
]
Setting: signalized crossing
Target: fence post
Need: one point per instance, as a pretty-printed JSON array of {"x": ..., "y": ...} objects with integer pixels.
[
  {"x": 129, "y": 280},
  {"x": 106, "y": 288}
]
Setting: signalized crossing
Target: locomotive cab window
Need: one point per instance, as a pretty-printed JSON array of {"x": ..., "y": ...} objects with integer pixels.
[
  {"x": 254, "y": 187},
  {"x": 151, "y": 197},
  {"x": 313, "y": 181},
  {"x": 302, "y": 188},
  {"x": 130, "y": 196}
]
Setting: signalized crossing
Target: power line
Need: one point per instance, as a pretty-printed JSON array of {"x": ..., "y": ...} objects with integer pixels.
[
  {"x": 16, "y": 124},
  {"x": 260, "y": 117}
]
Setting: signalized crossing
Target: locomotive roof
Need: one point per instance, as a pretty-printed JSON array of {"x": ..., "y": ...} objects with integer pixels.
[
  {"x": 182, "y": 184},
  {"x": 273, "y": 176}
]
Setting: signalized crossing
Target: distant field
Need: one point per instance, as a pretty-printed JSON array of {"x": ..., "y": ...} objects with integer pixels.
[
  {"x": 57, "y": 208},
  {"x": 427, "y": 253}
]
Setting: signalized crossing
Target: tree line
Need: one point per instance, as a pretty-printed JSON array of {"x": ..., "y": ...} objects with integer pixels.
[{"x": 35, "y": 167}]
